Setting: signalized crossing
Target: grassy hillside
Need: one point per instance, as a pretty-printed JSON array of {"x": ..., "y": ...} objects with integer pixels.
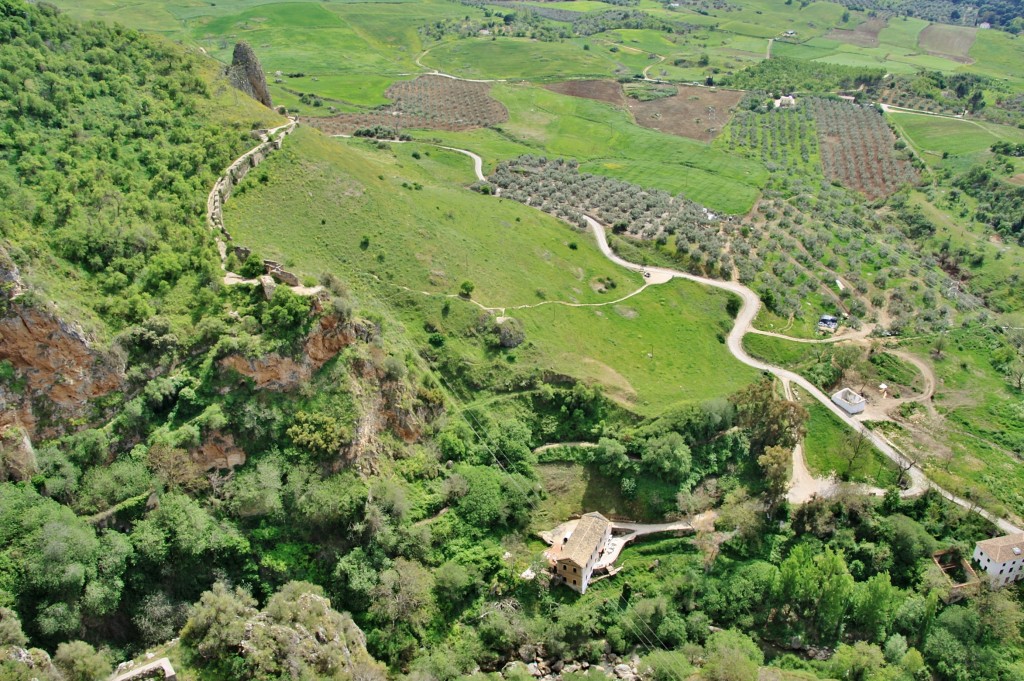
[{"x": 351, "y": 208}]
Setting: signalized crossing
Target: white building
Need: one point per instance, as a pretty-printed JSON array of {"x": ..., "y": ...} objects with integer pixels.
[
  {"x": 581, "y": 550},
  {"x": 849, "y": 401},
  {"x": 1002, "y": 558}
]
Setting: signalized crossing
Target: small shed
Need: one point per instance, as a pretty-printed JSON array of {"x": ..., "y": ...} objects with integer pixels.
[{"x": 849, "y": 401}]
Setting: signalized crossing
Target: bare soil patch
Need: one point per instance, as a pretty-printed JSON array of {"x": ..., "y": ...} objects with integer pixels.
[
  {"x": 1017, "y": 179},
  {"x": 864, "y": 35},
  {"x": 953, "y": 42},
  {"x": 602, "y": 90},
  {"x": 433, "y": 102},
  {"x": 696, "y": 112}
]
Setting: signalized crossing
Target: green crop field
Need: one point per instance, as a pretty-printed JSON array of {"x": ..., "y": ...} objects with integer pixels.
[
  {"x": 931, "y": 136},
  {"x": 520, "y": 58}
]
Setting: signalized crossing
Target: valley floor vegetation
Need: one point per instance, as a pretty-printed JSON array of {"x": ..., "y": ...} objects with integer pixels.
[{"x": 344, "y": 479}]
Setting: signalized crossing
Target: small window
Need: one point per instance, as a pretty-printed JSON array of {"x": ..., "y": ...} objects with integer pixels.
[
  {"x": 574, "y": 570},
  {"x": 574, "y": 581},
  {"x": 564, "y": 567}
]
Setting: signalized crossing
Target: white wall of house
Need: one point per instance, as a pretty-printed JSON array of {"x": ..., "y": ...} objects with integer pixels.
[{"x": 1000, "y": 574}]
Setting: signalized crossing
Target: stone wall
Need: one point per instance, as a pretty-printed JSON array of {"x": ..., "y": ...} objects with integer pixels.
[{"x": 237, "y": 171}]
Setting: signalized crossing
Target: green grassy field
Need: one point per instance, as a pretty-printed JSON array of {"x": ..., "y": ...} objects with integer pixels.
[
  {"x": 652, "y": 351},
  {"x": 824, "y": 446},
  {"x": 321, "y": 198},
  {"x": 574, "y": 488},
  {"x": 355, "y": 49},
  {"x": 996, "y": 275},
  {"x": 606, "y": 141},
  {"x": 897, "y": 50},
  {"x": 522, "y": 58},
  {"x": 966, "y": 141}
]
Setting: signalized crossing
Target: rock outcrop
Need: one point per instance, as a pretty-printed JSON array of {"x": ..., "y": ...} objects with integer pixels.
[
  {"x": 218, "y": 451},
  {"x": 17, "y": 457},
  {"x": 276, "y": 372},
  {"x": 246, "y": 74},
  {"x": 56, "y": 370}
]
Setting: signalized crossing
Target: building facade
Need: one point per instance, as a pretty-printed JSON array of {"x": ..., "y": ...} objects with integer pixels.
[
  {"x": 581, "y": 551},
  {"x": 1002, "y": 558}
]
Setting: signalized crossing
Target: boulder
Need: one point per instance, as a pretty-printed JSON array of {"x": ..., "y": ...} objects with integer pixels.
[{"x": 17, "y": 457}]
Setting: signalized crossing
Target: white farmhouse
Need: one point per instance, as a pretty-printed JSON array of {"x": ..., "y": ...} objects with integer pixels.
[{"x": 1002, "y": 558}]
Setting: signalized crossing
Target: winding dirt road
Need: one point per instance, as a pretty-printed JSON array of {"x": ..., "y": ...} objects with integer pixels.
[{"x": 751, "y": 303}]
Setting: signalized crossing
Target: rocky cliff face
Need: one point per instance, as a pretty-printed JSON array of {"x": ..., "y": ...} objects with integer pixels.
[
  {"x": 56, "y": 370},
  {"x": 328, "y": 337},
  {"x": 246, "y": 74}
]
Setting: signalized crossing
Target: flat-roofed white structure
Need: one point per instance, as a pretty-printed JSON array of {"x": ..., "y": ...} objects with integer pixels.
[{"x": 849, "y": 401}]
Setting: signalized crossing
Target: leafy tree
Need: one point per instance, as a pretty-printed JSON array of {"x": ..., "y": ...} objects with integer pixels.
[
  {"x": 769, "y": 420},
  {"x": 858, "y": 662},
  {"x": 79, "y": 661},
  {"x": 10, "y": 629},
  {"x": 256, "y": 491},
  {"x": 731, "y": 656},
  {"x": 610, "y": 456},
  {"x": 322, "y": 434},
  {"x": 776, "y": 466},
  {"x": 358, "y": 577},
  {"x": 816, "y": 589},
  {"x": 253, "y": 266},
  {"x": 453, "y": 583},
  {"x": 403, "y": 595},
  {"x": 175, "y": 468},
  {"x": 669, "y": 456},
  {"x": 217, "y": 623},
  {"x": 57, "y": 565},
  {"x": 874, "y": 606}
]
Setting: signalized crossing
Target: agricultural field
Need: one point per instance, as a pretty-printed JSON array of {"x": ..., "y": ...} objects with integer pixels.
[
  {"x": 864, "y": 34},
  {"x": 609, "y": 91},
  {"x": 950, "y": 142},
  {"x": 606, "y": 141},
  {"x": 954, "y": 42},
  {"x": 856, "y": 148},
  {"x": 428, "y": 101},
  {"x": 522, "y": 59},
  {"x": 696, "y": 113}
]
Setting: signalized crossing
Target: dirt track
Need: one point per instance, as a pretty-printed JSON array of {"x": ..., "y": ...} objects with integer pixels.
[{"x": 751, "y": 303}]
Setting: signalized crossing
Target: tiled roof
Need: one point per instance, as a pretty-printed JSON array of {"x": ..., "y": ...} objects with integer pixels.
[
  {"x": 585, "y": 539},
  {"x": 1001, "y": 549}
]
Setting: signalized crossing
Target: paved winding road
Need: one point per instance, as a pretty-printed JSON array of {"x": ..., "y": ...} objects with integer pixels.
[{"x": 751, "y": 303}]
